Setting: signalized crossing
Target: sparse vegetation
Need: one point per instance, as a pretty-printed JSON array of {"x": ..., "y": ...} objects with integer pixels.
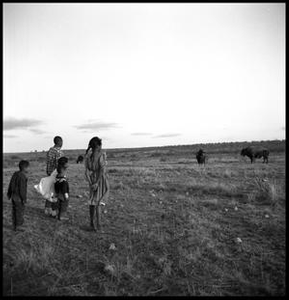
[
  {"x": 178, "y": 229},
  {"x": 14, "y": 157}
]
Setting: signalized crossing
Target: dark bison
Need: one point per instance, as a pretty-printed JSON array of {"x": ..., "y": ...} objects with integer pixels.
[
  {"x": 79, "y": 159},
  {"x": 254, "y": 153},
  {"x": 201, "y": 157}
]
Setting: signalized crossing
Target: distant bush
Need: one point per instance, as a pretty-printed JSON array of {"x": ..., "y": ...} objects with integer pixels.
[
  {"x": 113, "y": 171},
  {"x": 156, "y": 154},
  {"x": 182, "y": 162},
  {"x": 118, "y": 186},
  {"x": 15, "y": 157},
  {"x": 9, "y": 164},
  {"x": 134, "y": 156},
  {"x": 5, "y": 164},
  {"x": 226, "y": 148},
  {"x": 110, "y": 155},
  {"x": 41, "y": 159}
]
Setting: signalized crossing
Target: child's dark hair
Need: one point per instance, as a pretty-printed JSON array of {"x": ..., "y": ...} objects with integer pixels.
[
  {"x": 23, "y": 164},
  {"x": 61, "y": 163},
  {"x": 93, "y": 143},
  {"x": 57, "y": 139}
]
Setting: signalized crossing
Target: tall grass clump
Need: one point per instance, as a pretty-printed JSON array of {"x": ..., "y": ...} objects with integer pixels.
[
  {"x": 264, "y": 192},
  {"x": 214, "y": 188}
]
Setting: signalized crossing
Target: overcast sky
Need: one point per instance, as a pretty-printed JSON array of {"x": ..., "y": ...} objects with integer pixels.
[{"x": 142, "y": 74}]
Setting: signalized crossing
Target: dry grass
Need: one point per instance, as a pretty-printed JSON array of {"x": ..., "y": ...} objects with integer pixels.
[{"x": 175, "y": 227}]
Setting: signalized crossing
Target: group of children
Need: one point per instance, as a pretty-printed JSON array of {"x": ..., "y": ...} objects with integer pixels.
[
  {"x": 57, "y": 163},
  {"x": 17, "y": 190}
]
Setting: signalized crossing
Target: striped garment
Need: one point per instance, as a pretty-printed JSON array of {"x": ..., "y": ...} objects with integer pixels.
[{"x": 53, "y": 155}]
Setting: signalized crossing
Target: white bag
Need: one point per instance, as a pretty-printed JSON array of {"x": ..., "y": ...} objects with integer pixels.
[{"x": 46, "y": 187}]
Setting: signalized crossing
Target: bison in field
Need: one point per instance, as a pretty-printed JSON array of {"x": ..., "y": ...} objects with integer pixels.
[
  {"x": 201, "y": 157},
  {"x": 79, "y": 159},
  {"x": 254, "y": 153}
]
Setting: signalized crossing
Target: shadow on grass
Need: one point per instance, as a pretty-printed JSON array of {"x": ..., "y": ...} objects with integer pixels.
[
  {"x": 102, "y": 231},
  {"x": 87, "y": 228},
  {"x": 37, "y": 212}
]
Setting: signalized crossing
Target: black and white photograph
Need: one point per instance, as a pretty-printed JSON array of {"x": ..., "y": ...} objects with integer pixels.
[{"x": 144, "y": 149}]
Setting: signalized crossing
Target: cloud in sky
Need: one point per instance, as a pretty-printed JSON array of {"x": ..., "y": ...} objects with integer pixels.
[
  {"x": 97, "y": 126},
  {"x": 13, "y": 123},
  {"x": 167, "y": 135},
  {"x": 141, "y": 133},
  {"x": 10, "y": 136},
  {"x": 37, "y": 131}
]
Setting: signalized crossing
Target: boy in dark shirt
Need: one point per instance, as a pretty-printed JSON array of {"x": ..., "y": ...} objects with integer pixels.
[
  {"x": 62, "y": 189},
  {"x": 17, "y": 192}
]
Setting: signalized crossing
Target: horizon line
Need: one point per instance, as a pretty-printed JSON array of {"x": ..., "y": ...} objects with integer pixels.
[{"x": 146, "y": 147}]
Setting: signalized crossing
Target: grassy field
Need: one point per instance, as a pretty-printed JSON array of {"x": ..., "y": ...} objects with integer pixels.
[{"x": 178, "y": 229}]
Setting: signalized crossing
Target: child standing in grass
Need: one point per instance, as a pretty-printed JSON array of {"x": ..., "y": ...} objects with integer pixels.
[
  {"x": 62, "y": 189},
  {"x": 95, "y": 172},
  {"x": 17, "y": 192},
  {"x": 53, "y": 155}
]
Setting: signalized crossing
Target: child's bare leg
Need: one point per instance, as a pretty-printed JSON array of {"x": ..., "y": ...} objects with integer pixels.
[
  {"x": 91, "y": 213},
  {"x": 98, "y": 216},
  {"x": 14, "y": 215}
]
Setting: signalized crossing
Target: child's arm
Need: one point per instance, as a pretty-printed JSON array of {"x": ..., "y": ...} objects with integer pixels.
[
  {"x": 66, "y": 190},
  {"x": 102, "y": 164},
  {"x": 23, "y": 189},
  {"x": 100, "y": 175},
  {"x": 87, "y": 173},
  {"x": 87, "y": 176}
]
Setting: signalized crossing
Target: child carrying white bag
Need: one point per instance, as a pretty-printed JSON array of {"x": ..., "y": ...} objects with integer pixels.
[{"x": 46, "y": 189}]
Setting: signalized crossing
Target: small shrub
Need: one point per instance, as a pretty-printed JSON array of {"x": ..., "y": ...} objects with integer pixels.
[
  {"x": 156, "y": 154},
  {"x": 264, "y": 192},
  {"x": 110, "y": 155},
  {"x": 15, "y": 157},
  {"x": 228, "y": 173},
  {"x": 213, "y": 203},
  {"x": 6, "y": 164},
  {"x": 119, "y": 186},
  {"x": 159, "y": 188},
  {"x": 41, "y": 159}
]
